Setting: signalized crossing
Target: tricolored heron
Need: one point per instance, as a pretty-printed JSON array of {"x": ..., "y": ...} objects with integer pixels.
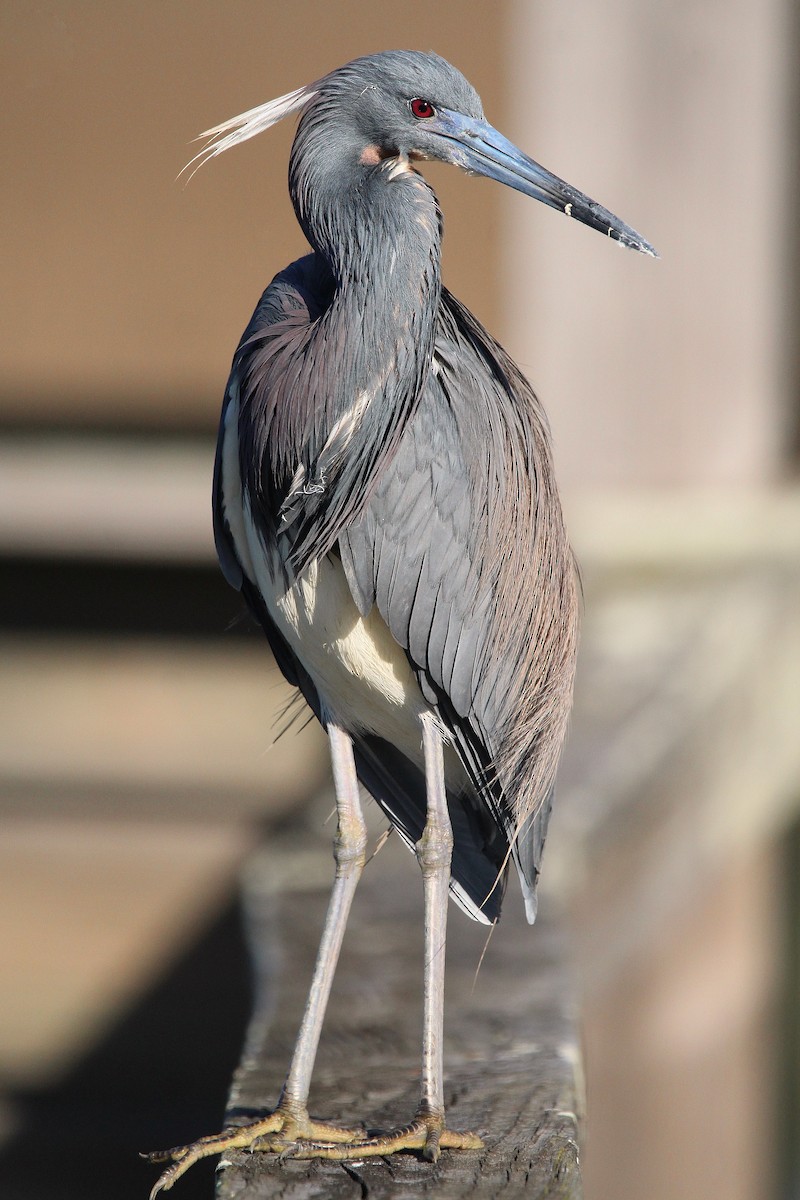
[{"x": 384, "y": 500}]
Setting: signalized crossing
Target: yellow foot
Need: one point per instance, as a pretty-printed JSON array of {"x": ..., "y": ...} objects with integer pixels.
[
  {"x": 282, "y": 1130},
  {"x": 426, "y": 1133}
]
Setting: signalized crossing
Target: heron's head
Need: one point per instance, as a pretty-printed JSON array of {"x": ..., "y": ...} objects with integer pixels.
[
  {"x": 388, "y": 103},
  {"x": 406, "y": 105}
]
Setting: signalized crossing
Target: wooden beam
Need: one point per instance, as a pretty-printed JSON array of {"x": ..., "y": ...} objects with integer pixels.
[{"x": 511, "y": 1056}]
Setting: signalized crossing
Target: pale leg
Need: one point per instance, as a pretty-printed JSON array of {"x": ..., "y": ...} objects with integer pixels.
[
  {"x": 290, "y": 1120},
  {"x": 426, "y": 1132},
  {"x": 434, "y": 853},
  {"x": 349, "y": 851}
]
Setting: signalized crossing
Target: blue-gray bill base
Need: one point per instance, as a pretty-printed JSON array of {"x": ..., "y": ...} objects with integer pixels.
[{"x": 384, "y": 500}]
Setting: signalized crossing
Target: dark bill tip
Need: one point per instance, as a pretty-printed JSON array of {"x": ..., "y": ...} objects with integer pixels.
[{"x": 477, "y": 146}]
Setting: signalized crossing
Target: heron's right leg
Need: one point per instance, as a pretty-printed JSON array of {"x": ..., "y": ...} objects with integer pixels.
[
  {"x": 290, "y": 1121},
  {"x": 349, "y": 853}
]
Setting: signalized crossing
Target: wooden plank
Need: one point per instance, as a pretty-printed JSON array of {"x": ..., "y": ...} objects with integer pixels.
[
  {"x": 149, "y": 725},
  {"x": 682, "y": 772},
  {"x": 511, "y": 1053},
  {"x": 684, "y": 748},
  {"x": 107, "y": 498}
]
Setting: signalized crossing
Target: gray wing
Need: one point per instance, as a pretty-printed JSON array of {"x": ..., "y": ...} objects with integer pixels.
[
  {"x": 423, "y": 553},
  {"x": 395, "y": 782}
]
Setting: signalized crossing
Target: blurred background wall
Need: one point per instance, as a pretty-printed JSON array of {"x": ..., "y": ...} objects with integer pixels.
[{"x": 137, "y": 763}]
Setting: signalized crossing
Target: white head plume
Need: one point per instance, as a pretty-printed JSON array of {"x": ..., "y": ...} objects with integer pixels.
[{"x": 248, "y": 124}]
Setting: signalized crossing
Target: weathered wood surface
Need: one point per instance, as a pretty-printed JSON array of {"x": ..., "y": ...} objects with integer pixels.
[
  {"x": 674, "y": 673},
  {"x": 511, "y": 1056},
  {"x": 683, "y": 751}
]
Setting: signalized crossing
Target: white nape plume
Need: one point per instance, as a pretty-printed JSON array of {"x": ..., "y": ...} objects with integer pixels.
[{"x": 248, "y": 124}]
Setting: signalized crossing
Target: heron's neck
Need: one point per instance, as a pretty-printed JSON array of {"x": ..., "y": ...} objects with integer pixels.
[
  {"x": 372, "y": 347},
  {"x": 379, "y": 234},
  {"x": 381, "y": 241}
]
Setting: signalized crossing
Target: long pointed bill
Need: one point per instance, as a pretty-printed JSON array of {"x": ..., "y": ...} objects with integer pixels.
[{"x": 478, "y": 147}]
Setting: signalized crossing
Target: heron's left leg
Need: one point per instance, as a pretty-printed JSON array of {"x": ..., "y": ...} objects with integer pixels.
[
  {"x": 426, "y": 1132},
  {"x": 290, "y": 1123}
]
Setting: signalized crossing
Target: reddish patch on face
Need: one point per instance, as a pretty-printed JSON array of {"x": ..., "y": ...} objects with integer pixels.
[{"x": 370, "y": 156}]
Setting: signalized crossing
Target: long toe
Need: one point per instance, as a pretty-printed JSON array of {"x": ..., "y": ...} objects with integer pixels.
[
  {"x": 280, "y": 1131},
  {"x": 426, "y": 1134}
]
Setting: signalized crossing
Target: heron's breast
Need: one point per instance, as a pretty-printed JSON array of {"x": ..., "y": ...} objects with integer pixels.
[{"x": 361, "y": 673}]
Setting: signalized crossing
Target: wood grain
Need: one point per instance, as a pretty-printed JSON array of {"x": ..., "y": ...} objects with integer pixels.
[{"x": 512, "y": 1068}]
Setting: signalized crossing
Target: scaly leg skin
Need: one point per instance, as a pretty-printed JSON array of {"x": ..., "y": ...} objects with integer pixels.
[
  {"x": 283, "y": 1129},
  {"x": 426, "y": 1132},
  {"x": 290, "y": 1123}
]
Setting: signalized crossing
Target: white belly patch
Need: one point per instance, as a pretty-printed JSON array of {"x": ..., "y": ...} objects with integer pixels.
[{"x": 362, "y": 675}]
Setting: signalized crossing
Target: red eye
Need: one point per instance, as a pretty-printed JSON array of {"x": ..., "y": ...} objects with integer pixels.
[{"x": 422, "y": 110}]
